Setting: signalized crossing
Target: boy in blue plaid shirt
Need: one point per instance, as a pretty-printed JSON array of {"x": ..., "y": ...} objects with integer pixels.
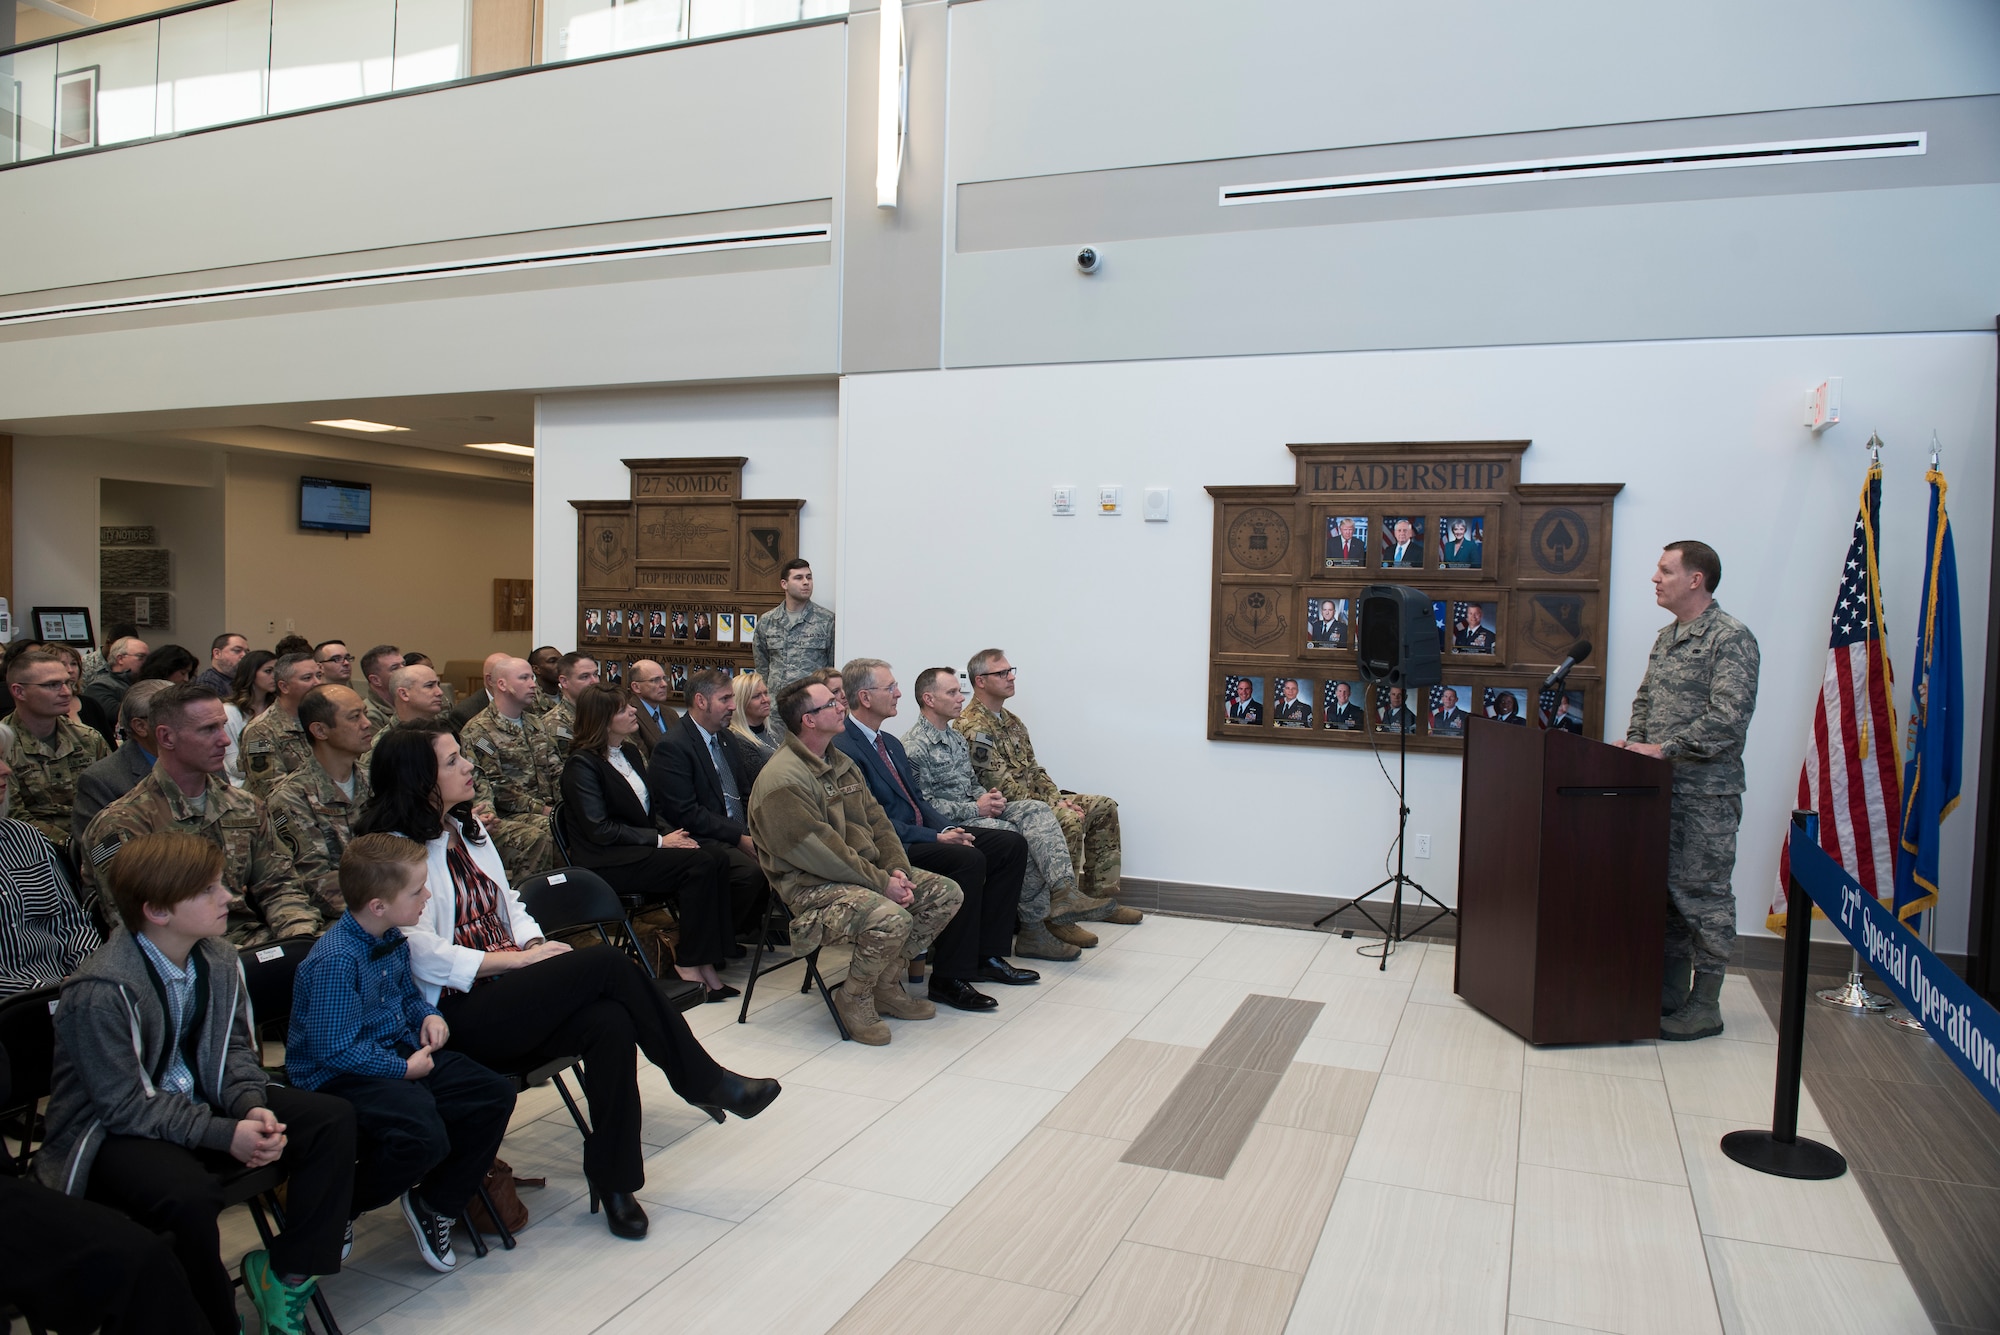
[{"x": 429, "y": 1121}]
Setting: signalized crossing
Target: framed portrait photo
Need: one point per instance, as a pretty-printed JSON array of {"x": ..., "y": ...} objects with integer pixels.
[
  {"x": 612, "y": 671},
  {"x": 682, "y": 627},
  {"x": 1461, "y": 542},
  {"x": 1346, "y": 542},
  {"x": 614, "y": 623},
  {"x": 1562, "y": 710},
  {"x": 1243, "y": 700},
  {"x": 1402, "y": 542},
  {"x": 1473, "y": 628},
  {"x": 1327, "y": 623},
  {"x": 677, "y": 678},
  {"x": 656, "y": 623},
  {"x": 1292, "y": 702},
  {"x": 1447, "y": 710},
  {"x": 1340, "y": 706},
  {"x": 593, "y": 622},
  {"x": 1505, "y": 704},
  {"x": 1394, "y": 712}
]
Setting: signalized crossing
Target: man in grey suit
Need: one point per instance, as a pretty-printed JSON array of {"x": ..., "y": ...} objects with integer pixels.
[{"x": 119, "y": 773}]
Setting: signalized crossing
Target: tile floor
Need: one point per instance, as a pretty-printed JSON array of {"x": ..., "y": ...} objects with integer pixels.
[{"x": 1416, "y": 1169}]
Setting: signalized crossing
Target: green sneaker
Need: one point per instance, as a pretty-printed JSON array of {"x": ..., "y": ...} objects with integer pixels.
[{"x": 282, "y": 1306}]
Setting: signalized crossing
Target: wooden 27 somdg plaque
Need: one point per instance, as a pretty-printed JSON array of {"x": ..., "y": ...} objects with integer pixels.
[{"x": 1516, "y": 573}]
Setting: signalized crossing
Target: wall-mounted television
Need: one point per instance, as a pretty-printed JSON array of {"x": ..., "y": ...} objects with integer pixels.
[{"x": 333, "y": 506}]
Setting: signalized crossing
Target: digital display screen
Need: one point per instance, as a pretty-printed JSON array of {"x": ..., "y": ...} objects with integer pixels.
[{"x": 337, "y": 507}]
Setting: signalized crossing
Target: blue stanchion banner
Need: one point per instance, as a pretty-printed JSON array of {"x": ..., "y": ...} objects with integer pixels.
[{"x": 1962, "y": 1022}]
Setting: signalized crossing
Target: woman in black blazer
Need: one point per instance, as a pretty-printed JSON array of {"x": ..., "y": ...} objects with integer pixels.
[{"x": 608, "y": 819}]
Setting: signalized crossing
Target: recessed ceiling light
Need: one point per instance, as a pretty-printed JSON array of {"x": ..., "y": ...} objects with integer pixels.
[
  {"x": 356, "y": 424},
  {"x": 502, "y": 447}
]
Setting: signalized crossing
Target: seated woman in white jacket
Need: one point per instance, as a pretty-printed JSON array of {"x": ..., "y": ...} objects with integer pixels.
[{"x": 514, "y": 1000}]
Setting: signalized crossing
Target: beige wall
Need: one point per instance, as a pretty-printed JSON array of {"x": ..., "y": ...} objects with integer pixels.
[{"x": 422, "y": 580}]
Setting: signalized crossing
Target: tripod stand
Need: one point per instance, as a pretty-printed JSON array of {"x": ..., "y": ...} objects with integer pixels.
[{"x": 1392, "y": 931}]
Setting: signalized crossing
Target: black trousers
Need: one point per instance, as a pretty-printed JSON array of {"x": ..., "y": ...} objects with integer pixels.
[
  {"x": 438, "y": 1134},
  {"x": 172, "y": 1189},
  {"x": 75, "y": 1265},
  {"x": 593, "y": 1003},
  {"x": 746, "y": 888},
  {"x": 989, "y": 871},
  {"x": 696, "y": 882}
]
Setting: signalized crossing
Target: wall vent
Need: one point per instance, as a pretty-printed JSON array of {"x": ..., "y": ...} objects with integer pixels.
[
  {"x": 413, "y": 273},
  {"x": 1596, "y": 164}
]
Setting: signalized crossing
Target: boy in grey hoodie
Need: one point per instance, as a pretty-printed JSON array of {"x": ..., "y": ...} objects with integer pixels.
[{"x": 158, "y": 1097}]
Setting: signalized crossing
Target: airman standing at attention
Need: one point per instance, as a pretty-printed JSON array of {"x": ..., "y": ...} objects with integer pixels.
[
  {"x": 1003, "y": 757},
  {"x": 795, "y": 638},
  {"x": 51, "y": 751},
  {"x": 515, "y": 770},
  {"x": 575, "y": 674},
  {"x": 275, "y": 742}
]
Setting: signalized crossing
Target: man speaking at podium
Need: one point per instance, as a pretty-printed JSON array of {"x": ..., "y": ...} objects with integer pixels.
[{"x": 1693, "y": 708}]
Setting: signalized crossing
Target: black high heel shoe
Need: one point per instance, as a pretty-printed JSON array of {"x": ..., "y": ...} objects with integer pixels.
[
  {"x": 746, "y": 1096},
  {"x": 624, "y": 1215}
]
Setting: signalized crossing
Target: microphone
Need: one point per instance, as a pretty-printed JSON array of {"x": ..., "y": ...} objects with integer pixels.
[{"x": 1577, "y": 653}]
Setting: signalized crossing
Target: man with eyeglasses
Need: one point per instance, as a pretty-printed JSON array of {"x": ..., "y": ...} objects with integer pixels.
[
  {"x": 275, "y": 742},
  {"x": 50, "y": 751},
  {"x": 107, "y": 686},
  {"x": 795, "y": 637},
  {"x": 336, "y": 664},
  {"x": 1003, "y": 757}
]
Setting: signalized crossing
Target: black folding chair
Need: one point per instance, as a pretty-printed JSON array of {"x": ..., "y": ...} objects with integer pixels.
[
  {"x": 556, "y": 830},
  {"x": 576, "y": 899},
  {"x": 776, "y": 917},
  {"x": 28, "y": 1033}
]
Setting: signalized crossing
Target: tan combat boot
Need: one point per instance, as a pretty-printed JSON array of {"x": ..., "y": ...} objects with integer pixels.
[
  {"x": 891, "y": 1000},
  {"x": 1035, "y": 942},
  {"x": 1122, "y": 915},
  {"x": 1072, "y": 905},
  {"x": 857, "y": 1011},
  {"x": 1072, "y": 934}
]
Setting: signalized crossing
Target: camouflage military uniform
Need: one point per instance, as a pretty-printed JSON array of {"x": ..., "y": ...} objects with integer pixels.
[
  {"x": 267, "y": 902},
  {"x": 516, "y": 771},
  {"x": 381, "y": 714},
  {"x": 543, "y": 702},
  {"x": 315, "y": 821},
  {"x": 557, "y": 726},
  {"x": 1004, "y": 758},
  {"x": 45, "y": 774},
  {"x": 273, "y": 745},
  {"x": 943, "y": 765},
  {"x": 790, "y": 645},
  {"x": 1695, "y": 705},
  {"x": 828, "y": 851}
]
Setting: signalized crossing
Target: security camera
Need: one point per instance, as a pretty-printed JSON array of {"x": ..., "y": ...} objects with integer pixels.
[{"x": 1089, "y": 260}]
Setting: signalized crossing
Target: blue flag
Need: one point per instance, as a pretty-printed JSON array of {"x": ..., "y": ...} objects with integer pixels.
[{"x": 1937, "y": 721}]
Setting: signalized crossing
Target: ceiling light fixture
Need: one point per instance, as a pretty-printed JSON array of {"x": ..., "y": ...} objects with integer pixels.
[
  {"x": 503, "y": 447},
  {"x": 356, "y": 424}
]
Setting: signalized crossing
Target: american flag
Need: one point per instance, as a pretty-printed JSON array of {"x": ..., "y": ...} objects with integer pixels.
[{"x": 1852, "y": 776}]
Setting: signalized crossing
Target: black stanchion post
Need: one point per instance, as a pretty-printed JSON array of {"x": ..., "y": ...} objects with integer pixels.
[{"x": 1780, "y": 1151}]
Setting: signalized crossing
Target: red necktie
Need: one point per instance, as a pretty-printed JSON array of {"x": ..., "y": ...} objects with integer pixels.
[{"x": 882, "y": 750}]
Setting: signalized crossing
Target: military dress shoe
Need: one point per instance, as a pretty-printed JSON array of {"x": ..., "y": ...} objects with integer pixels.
[
  {"x": 961, "y": 994},
  {"x": 746, "y": 1096},
  {"x": 993, "y": 969},
  {"x": 624, "y": 1215}
]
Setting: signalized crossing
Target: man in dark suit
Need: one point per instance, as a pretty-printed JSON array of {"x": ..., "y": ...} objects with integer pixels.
[
  {"x": 1241, "y": 708},
  {"x": 700, "y": 775},
  {"x": 648, "y": 681},
  {"x": 1571, "y": 717},
  {"x": 1342, "y": 547},
  {"x": 1401, "y": 547},
  {"x": 1477, "y": 637},
  {"x": 119, "y": 773},
  {"x": 988, "y": 865},
  {"x": 1325, "y": 626},
  {"x": 1342, "y": 714},
  {"x": 1448, "y": 720}
]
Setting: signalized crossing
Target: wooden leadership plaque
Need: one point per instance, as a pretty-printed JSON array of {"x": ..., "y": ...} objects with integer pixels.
[
  {"x": 679, "y": 571},
  {"x": 1515, "y": 573}
]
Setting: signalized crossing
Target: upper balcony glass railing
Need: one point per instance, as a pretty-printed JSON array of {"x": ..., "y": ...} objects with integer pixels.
[{"x": 124, "y": 71}]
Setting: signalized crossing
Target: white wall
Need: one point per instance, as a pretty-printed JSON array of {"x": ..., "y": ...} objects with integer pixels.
[
  {"x": 190, "y": 524},
  {"x": 789, "y": 433},
  {"x": 947, "y": 476}
]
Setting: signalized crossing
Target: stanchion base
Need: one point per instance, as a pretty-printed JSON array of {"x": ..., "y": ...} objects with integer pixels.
[
  {"x": 1801, "y": 1158},
  {"x": 1851, "y": 996},
  {"x": 1907, "y": 1021}
]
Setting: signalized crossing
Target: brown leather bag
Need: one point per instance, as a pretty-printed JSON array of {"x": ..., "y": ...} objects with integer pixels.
[{"x": 500, "y": 1184}]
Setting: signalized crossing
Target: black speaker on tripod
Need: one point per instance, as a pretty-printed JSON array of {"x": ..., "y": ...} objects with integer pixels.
[{"x": 1398, "y": 639}]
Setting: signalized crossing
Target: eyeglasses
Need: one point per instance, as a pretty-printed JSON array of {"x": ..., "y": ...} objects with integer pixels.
[
  {"x": 1000, "y": 672},
  {"x": 338, "y": 658},
  {"x": 828, "y": 705},
  {"x": 59, "y": 684}
]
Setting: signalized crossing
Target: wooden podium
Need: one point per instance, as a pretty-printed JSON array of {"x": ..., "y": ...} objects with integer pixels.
[{"x": 1562, "y": 884}]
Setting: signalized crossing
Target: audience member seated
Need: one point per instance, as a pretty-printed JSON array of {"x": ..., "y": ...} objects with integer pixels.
[
  {"x": 1003, "y": 757},
  {"x": 988, "y": 865},
  {"x": 417, "y": 695},
  {"x": 313, "y": 808},
  {"x": 942, "y": 764},
  {"x": 753, "y": 721},
  {"x": 291, "y": 644},
  {"x": 376, "y": 666},
  {"x": 517, "y": 770},
  {"x": 648, "y": 683},
  {"x": 701, "y": 775},
  {"x": 73, "y": 667},
  {"x": 613, "y": 829},
  {"x": 107, "y": 686},
  {"x": 575, "y": 674},
  {"x": 169, "y": 662},
  {"x": 158, "y": 1088},
  {"x": 250, "y": 693},
  {"x": 427, "y": 1122},
  {"x": 76, "y": 1265},
  {"x": 44, "y": 932},
  {"x": 50, "y": 750},
  {"x": 414, "y": 659},
  {"x": 834, "y": 859},
  {"x": 274, "y": 743},
  {"x": 547, "y": 663},
  {"x": 336, "y": 662},
  {"x": 225, "y": 652},
  {"x": 186, "y": 792},
  {"x": 513, "y": 999},
  {"x": 119, "y": 773}
]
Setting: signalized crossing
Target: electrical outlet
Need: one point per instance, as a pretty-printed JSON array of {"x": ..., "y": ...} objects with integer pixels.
[{"x": 1422, "y": 845}]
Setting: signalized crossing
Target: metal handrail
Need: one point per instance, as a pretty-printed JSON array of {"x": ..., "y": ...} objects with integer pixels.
[{"x": 135, "y": 20}]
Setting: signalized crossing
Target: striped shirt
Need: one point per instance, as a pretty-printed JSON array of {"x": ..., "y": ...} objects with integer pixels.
[
  {"x": 44, "y": 932},
  {"x": 180, "y": 1005}
]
